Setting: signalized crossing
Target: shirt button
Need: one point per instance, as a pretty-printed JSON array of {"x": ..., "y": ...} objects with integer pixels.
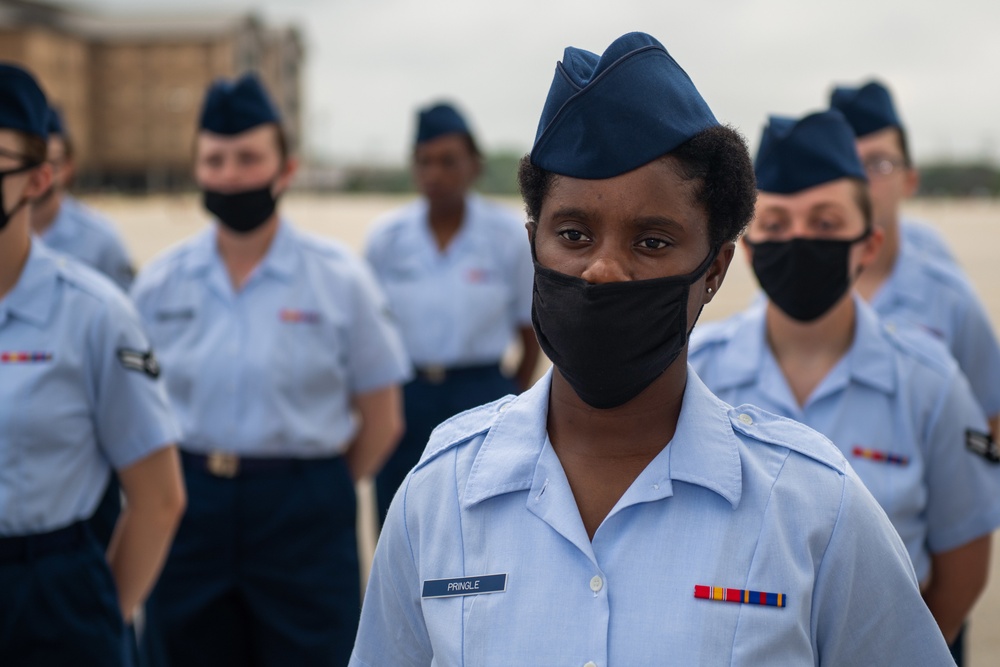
[
  {"x": 591, "y": 664},
  {"x": 746, "y": 419},
  {"x": 596, "y": 584}
]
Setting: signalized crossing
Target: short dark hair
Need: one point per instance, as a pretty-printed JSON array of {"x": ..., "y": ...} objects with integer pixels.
[
  {"x": 904, "y": 145},
  {"x": 35, "y": 149},
  {"x": 863, "y": 198},
  {"x": 717, "y": 158},
  {"x": 284, "y": 149}
]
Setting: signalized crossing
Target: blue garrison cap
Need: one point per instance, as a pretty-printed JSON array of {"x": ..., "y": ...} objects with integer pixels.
[
  {"x": 55, "y": 123},
  {"x": 868, "y": 108},
  {"x": 796, "y": 154},
  {"x": 232, "y": 107},
  {"x": 440, "y": 119},
  {"x": 606, "y": 115},
  {"x": 23, "y": 106}
]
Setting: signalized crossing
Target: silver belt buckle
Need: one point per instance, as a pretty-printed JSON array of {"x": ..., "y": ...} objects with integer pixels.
[
  {"x": 434, "y": 374},
  {"x": 223, "y": 464}
]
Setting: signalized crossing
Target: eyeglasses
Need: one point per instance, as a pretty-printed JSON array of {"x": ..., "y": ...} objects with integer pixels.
[{"x": 882, "y": 166}]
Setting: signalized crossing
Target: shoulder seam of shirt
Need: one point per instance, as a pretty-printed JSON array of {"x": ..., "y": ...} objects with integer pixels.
[
  {"x": 459, "y": 429},
  {"x": 759, "y": 431}
]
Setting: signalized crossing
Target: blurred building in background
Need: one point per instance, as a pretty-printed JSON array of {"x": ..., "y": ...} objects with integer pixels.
[{"x": 130, "y": 87}]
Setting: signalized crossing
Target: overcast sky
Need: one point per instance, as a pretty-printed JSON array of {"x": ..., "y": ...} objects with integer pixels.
[{"x": 371, "y": 63}]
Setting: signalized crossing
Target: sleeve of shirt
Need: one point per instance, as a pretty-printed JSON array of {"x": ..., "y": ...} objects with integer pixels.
[
  {"x": 115, "y": 263},
  {"x": 523, "y": 281},
  {"x": 392, "y": 629},
  {"x": 131, "y": 411},
  {"x": 373, "y": 252},
  {"x": 976, "y": 349},
  {"x": 118, "y": 266},
  {"x": 963, "y": 500},
  {"x": 867, "y": 608},
  {"x": 377, "y": 357}
]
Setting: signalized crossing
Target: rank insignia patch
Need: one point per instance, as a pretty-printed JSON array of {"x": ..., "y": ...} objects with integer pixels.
[
  {"x": 137, "y": 360},
  {"x": 881, "y": 457},
  {"x": 293, "y": 316},
  {"x": 740, "y": 596},
  {"x": 25, "y": 357},
  {"x": 982, "y": 444}
]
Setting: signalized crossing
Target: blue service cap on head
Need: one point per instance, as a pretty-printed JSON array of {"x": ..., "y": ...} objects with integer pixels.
[
  {"x": 23, "y": 106},
  {"x": 607, "y": 115},
  {"x": 868, "y": 108},
  {"x": 438, "y": 120},
  {"x": 55, "y": 124},
  {"x": 232, "y": 107},
  {"x": 798, "y": 154}
]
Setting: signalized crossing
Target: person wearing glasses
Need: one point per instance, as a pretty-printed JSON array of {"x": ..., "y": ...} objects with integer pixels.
[
  {"x": 79, "y": 396},
  {"x": 618, "y": 513},
  {"x": 895, "y": 404},
  {"x": 456, "y": 270},
  {"x": 905, "y": 285},
  {"x": 284, "y": 369}
]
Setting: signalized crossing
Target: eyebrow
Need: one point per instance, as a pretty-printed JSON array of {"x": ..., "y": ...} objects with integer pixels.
[
  {"x": 836, "y": 206},
  {"x": 644, "y": 222}
]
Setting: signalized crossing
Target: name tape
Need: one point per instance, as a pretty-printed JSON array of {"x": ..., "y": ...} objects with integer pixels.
[{"x": 447, "y": 588}]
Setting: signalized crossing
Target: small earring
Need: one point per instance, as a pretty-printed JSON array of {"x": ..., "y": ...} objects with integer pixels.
[{"x": 710, "y": 290}]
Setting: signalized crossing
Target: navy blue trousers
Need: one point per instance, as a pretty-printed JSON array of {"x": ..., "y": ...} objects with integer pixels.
[
  {"x": 426, "y": 405},
  {"x": 263, "y": 571},
  {"x": 60, "y": 608}
]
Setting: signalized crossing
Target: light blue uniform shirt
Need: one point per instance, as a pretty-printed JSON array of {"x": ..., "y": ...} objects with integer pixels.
[
  {"x": 87, "y": 236},
  {"x": 464, "y": 306},
  {"x": 269, "y": 370},
  {"x": 888, "y": 394},
  {"x": 77, "y": 394},
  {"x": 739, "y": 499},
  {"x": 937, "y": 298},
  {"x": 928, "y": 240}
]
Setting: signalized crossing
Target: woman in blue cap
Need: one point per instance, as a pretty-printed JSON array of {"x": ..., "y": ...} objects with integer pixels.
[
  {"x": 896, "y": 405},
  {"x": 79, "y": 396},
  {"x": 284, "y": 370},
  {"x": 456, "y": 270},
  {"x": 618, "y": 513}
]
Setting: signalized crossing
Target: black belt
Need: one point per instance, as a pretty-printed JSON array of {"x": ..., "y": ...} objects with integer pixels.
[
  {"x": 25, "y": 547},
  {"x": 439, "y": 374},
  {"x": 229, "y": 465}
]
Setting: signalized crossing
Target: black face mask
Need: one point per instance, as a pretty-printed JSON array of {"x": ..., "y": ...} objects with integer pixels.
[
  {"x": 6, "y": 215},
  {"x": 611, "y": 341},
  {"x": 804, "y": 277},
  {"x": 244, "y": 211}
]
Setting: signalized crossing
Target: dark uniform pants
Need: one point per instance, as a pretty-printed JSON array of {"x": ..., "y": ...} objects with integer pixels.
[
  {"x": 263, "y": 571},
  {"x": 58, "y": 603},
  {"x": 427, "y": 403}
]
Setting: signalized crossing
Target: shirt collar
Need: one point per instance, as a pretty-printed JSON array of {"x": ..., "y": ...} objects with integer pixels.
[
  {"x": 704, "y": 450},
  {"x": 61, "y": 228},
  {"x": 280, "y": 260},
  {"x": 745, "y": 349},
  {"x": 871, "y": 354},
  {"x": 33, "y": 297},
  {"x": 899, "y": 286},
  {"x": 868, "y": 361}
]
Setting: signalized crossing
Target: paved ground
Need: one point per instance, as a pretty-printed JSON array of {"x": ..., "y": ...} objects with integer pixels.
[{"x": 971, "y": 228}]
